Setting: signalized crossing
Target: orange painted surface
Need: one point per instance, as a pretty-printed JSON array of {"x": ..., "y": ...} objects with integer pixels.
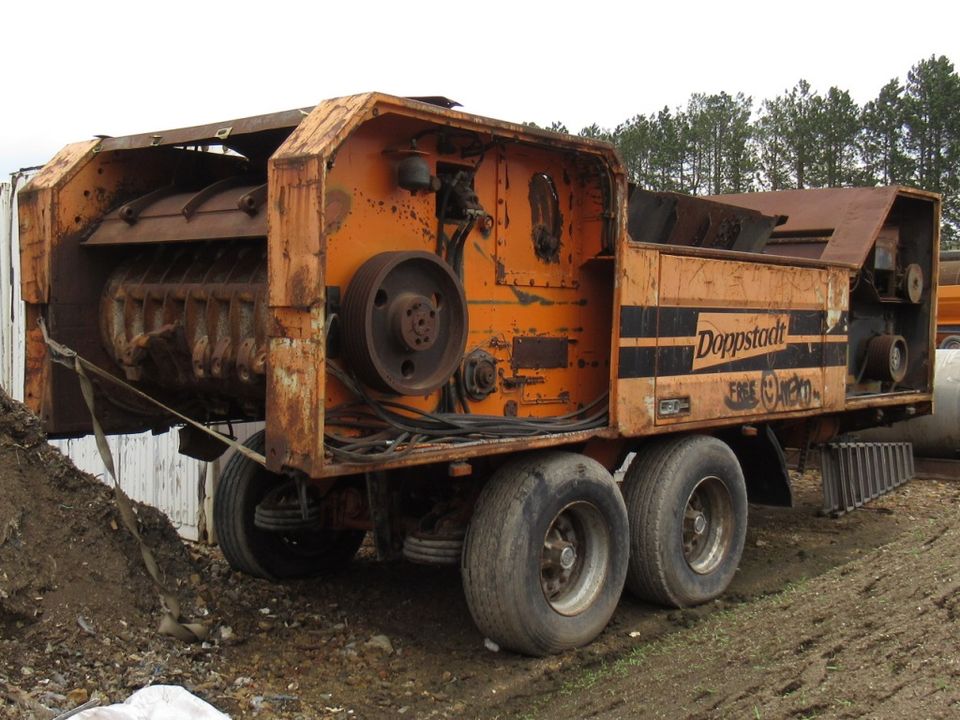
[
  {"x": 713, "y": 312},
  {"x": 510, "y": 291},
  {"x": 948, "y": 312}
]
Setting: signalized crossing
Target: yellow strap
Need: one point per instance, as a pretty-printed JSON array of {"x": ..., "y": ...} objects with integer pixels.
[{"x": 170, "y": 623}]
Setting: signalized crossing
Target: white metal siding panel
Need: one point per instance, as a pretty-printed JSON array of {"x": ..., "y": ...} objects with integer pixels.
[
  {"x": 6, "y": 268},
  {"x": 11, "y": 308},
  {"x": 17, "y": 308}
]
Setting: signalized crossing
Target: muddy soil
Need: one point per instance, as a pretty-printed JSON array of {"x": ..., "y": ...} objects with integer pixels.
[{"x": 847, "y": 617}]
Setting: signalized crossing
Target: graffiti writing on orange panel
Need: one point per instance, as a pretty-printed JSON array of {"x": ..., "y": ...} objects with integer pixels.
[
  {"x": 742, "y": 395},
  {"x": 772, "y": 392},
  {"x": 796, "y": 391}
]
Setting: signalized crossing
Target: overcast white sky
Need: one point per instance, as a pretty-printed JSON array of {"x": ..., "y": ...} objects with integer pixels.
[{"x": 76, "y": 69}]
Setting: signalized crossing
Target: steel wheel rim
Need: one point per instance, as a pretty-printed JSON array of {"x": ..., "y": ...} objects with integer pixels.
[
  {"x": 898, "y": 356},
  {"x": 574, "y": 558},
  {"x": 707, "y": 528}
]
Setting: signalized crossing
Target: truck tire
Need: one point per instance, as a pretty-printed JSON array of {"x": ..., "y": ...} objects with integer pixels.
[
  {"x": 545, "y": 555},
  {"x": 687, "y": 503},
  {"x": 261, "y": 553}
]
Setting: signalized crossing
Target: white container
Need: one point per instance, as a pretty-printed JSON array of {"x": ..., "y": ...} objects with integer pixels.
[{"x": 937, "y": 435}]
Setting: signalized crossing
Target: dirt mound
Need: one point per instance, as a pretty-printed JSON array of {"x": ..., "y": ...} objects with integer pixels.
[{"x": 64, "y": 554}]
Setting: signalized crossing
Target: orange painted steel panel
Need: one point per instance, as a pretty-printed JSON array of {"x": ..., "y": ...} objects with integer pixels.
[
  {"x": 43, "y": 216},
  {"x": 727, "y": 340},
  {"x": 948, "y": 311},
  {"x": 686, "y": 281},
  {"x": 353, "y": 145},
  {"x": 295, "y": 265}
]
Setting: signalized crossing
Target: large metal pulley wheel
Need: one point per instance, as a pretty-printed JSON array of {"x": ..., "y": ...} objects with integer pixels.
[
  {"x": 887, "y": 358},
  {"x": 405, "y": 322},
  {"x": 913, "y": 283}
]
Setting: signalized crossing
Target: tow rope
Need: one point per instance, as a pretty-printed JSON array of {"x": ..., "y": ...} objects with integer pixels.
[{"x": 171, "y": 623}]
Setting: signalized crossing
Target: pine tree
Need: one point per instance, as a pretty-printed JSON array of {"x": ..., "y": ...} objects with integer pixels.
[
  {"x": 595, "y": 132},
  {"x": 772, "y": 153},
  {"x": 931, "y": 99},
  {"x": 883, "y": 149},
  {"x": 909, "y": 134},
  {"x": 634, "y": 139},
  {"x": 803, "y": 110},
  {"x": 837, "y": 132}
]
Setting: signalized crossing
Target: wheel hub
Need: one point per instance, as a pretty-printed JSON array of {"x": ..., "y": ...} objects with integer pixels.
[
  {"x": 415, "y": 321},
  {"x": 574, "y": 558},
  {"x": 707, "y": 529},
  {"x": 699, "y": 524}
]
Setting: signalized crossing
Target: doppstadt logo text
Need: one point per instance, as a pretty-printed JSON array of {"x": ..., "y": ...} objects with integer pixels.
[{"x": 725, "y": 337}]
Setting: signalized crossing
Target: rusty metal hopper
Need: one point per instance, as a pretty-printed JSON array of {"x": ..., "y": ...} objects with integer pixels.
[{"x": 836, "y": 224}]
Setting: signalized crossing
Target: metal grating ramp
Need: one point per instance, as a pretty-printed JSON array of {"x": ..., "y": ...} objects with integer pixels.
[{"x": 854, "y": 473}]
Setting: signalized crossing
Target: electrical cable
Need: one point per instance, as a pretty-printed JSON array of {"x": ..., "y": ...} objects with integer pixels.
[{"x": 400, "y": 428}]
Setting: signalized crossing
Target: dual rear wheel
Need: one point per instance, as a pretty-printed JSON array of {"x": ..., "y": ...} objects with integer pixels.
[
  {"x": 544, "y": 560},
  {"x": 687, "y": 501},
  {"x": 553, "y": 540}
]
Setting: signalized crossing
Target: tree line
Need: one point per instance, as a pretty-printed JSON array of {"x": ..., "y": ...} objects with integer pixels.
[{"x": 721, "y": 143}]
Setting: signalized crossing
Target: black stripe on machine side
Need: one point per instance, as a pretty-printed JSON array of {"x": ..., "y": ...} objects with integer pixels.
[
  {"x": 647, "y": 322},
  {"x": 667, "y": 361},
  {"x": 637, "y": 362},
  {"x": 806, "y": 322},
  {"x": 835, "y": 354},
  {"x": 638, "y": 321}
]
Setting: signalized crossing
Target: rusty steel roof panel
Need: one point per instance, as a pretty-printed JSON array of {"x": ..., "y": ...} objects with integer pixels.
[
  {"x": 848, "y": 219},
  {"x": 332, "y": 120},
  {"x": 212, "y": 133},
  {"x": 176, "y": 217}
]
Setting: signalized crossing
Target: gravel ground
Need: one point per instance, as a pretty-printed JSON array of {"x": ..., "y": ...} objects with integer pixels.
[{"x": 848, "y": 617}]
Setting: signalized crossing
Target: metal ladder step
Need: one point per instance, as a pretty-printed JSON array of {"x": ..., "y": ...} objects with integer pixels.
[{"x": 854, "y": 473}]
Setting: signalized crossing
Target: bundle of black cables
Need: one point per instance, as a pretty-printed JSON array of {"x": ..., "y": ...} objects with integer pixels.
[{"x": 390, "y": 429}]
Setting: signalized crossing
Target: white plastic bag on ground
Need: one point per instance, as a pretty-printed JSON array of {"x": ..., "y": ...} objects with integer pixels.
[{"x": 156, "y": 702}]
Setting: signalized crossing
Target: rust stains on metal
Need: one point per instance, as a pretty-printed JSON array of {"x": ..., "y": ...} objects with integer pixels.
[
  {"x": 546, "y": 219},
  {"x": 336, "y": 209},
  {"x": 675, "y": 219},
  {"x": 835, "y": 224},
  {"x": 192, "y": 318},
  {"x": 225, "y": 209},
  {"x": 254, "y": 137}
]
